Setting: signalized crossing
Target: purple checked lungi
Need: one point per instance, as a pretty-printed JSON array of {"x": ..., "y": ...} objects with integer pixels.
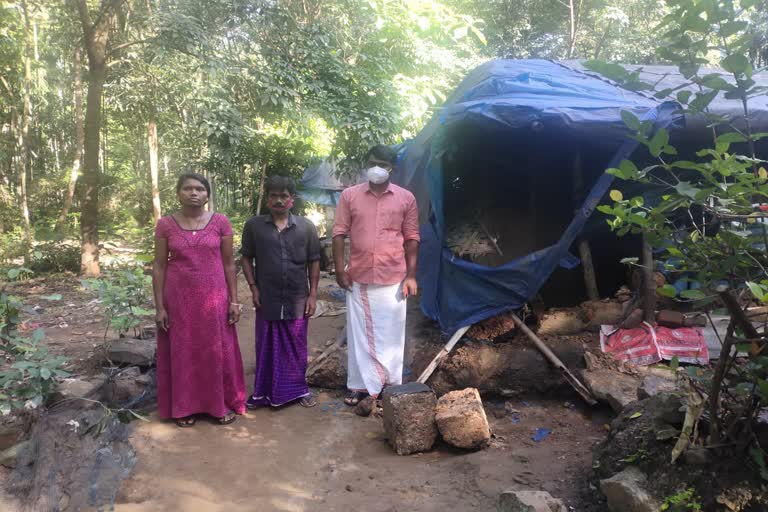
[{"x": 281, "y": 361}]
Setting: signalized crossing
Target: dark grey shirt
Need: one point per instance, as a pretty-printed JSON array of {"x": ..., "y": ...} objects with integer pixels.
[{"x": 280, "y": 260}]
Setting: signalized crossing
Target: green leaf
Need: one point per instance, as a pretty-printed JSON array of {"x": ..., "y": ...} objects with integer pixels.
[
  {"x": 716, "y": 82},
  {"x": 616, "y": 195},
  {"x": 732, "y": 27},
  {"x": 731, "y": 137},
  {"x": 692, "y": 294},
  {"x": 629, "y": 261},
  {"x": 631, "y": 120},
  {"x": 684, "y": 96},
  {"x": 635, "y": 416},
  {"x": 757, "y": 290},
  {"x": 674, "y": 363},
  {"x": 702, "y": 101},
  {"x": 684, "y": 188},
  {"x": 658, "y": 142},
  {"x": 45, "y": 373},
  {"x": 688, "y": 69},
  {"x": 55, "y": 296},
  {"x": 667, "y": 291},
  {"x": 736, "y": 64},
  {"x": 38, "y": 335}
]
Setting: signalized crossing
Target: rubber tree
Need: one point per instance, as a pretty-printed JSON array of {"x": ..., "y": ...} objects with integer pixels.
[{"x": 96, "y": 32}]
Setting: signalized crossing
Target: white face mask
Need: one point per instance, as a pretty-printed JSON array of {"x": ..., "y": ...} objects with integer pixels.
[{"x": 377, "y": 175}]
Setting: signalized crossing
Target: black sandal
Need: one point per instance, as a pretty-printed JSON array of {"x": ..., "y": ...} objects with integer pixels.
[
  {"x": 227, "y": 419},
  {"x": 308, "y": 401},
  {"x": 354, "y": 399},
  {"x": 186, "y": 422}
]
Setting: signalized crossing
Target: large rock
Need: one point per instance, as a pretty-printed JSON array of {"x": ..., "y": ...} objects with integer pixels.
[
  {"x": 614, "y": 388},
  {"x": 132, "y": 351},
  {"x": 409, "y": 417},
  {"x": 9, "y": 456},
  {"x": 128, "y": 387},
  {"x": 505, "y": 369},
  {"x": 529, "y": 501},
  {"x": 652, "y": 385},
  {"x": 78, "y": 388},
  {"x": 461, "y": 419},
  {"x": 626, "y": 493},
  {"x": 602, "y": 312},
  {"x": 562, "y": 322},
  {"x": 330, "y": 371},
  {"x": 11, "y": 432}
]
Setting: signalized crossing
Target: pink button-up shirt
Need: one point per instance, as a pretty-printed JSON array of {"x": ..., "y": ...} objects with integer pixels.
[{"x": 377, "y": 226}]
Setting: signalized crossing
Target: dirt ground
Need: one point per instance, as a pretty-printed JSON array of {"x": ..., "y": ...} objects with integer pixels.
[{"x": 325, "y": 458}]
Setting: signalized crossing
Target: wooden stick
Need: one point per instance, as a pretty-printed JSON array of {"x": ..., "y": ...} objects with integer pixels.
[
  {"x": 585, "y": 253},
  {"x": 556, "y": 362},
  {"x": 427, "y": 373},
  {"x": 488, "y": 234},
  {"x": 649, "y": 283},
  {"x": 340, "y": 340},
  {"x": 590, "y": 280}
]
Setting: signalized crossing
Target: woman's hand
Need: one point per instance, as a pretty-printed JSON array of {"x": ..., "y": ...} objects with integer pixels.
[
  {"x": 161, "y": 319},
  {"x": 234, "y": 312}
]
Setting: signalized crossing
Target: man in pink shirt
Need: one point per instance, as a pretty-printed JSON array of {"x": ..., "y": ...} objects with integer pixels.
[{"x": 382, "y": 223}]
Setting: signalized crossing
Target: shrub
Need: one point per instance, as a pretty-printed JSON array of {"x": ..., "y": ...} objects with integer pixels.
[
  {"x": 30, "y": 372},
  {"x": 55, "y": 257},
  {"x": 124, "y": 295}
]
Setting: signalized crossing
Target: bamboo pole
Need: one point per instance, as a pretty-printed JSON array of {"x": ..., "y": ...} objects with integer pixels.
[
  {"x": 429, "y": 370},
  {"x": 556, "y": 362}
]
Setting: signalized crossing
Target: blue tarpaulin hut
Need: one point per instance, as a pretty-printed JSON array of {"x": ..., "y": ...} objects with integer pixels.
[{"x": 522, "y": 136}]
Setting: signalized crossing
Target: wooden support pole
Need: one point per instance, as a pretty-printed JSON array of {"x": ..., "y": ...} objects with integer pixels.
[
  {"x": 556, "y": 362},
  {"x": 429, "y": 370},
  {"x": 590, "y": 279},
  {"x": 585, "y": 253},
  {"x": 649, "y": 283}
]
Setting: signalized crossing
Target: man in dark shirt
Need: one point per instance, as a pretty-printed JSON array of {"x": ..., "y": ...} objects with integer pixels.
[{"x": 281, "y": 262}]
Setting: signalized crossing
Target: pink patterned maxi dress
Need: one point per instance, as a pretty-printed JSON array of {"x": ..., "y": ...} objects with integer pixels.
[{"x": 199, "y": 367}]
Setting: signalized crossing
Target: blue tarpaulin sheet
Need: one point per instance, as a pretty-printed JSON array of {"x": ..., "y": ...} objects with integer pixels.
[{"x": 527, "y": 98}]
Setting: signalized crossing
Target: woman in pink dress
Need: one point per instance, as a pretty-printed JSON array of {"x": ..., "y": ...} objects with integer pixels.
[{"x": 199, "y": 367}]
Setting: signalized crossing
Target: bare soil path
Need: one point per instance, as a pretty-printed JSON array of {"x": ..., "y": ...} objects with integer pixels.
[{"x": 326, "y": 458}]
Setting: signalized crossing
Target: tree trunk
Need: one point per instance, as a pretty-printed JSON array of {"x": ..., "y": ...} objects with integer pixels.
[
  {"x": 77, "y": 162},
  {"x": 262, "y": 179},
  {"x": 153, "y": 163},
  {"x": 574, "y": 12},
  {"x": 96, "y": 38},
  {"x": 23, "y": 141}
]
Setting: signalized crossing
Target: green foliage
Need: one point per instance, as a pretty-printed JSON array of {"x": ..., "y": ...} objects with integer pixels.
[
  {"x": 705, "y": 219},
  {"x": 639, "y": 456},
  {"x": 11, "y": 245},
  {"x": 125, "y": 295},
  {"x": 19, "y": 273},
  {"x": 683, "y": 501},
  {"x": 55, "y": 257},
  {"x": 29, "y": 372}
]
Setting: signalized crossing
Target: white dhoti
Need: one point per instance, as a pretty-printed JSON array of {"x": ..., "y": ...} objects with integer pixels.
[{"x": 375, "y": 337}]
